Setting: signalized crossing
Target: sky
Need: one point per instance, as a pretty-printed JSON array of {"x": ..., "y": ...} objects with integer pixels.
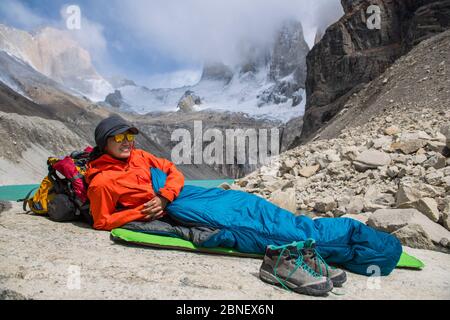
[{"x": 164, "y": 43}]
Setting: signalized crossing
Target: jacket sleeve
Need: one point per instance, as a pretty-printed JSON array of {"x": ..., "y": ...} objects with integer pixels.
[
  {"x": 175, "y": 179},
  {"x": 103, "y": 209}
]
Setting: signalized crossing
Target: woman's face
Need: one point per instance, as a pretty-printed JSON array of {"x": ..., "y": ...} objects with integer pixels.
[{"x": 119, "y": 150}]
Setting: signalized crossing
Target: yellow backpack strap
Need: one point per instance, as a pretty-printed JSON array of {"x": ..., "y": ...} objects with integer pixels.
[{"x": 27, "y": 197}]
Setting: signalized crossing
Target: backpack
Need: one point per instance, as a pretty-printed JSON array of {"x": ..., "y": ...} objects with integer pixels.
[{"x": 62, "y": 194}]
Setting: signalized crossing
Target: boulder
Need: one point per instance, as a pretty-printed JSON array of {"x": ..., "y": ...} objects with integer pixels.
[
  {"x": 382, "y": 143},
  {"x": 361, "y": 167},
  {"x": 374, "y": 199},
  {"x": 407, "y": 194},
  {"x": 446, "y": 183},
  {"x": 399, "y": 158},
  {"x": 350, "y": 153},
  {"x": 392, "y": 130},
  {"x": 284, "y": 199},
  {"x": 429, "y": 207},
  {"x": 332, "y": 156},
  {"x": 446, "y": 214},
  {"x": 434, "y": 178},
  {"x": 288, "y": 165},
  {"x": 336, "y": 168},
  {"x": 309, "y": 171},
  {"x": 242, "y": 183},
  {"x": 325, "y": 204},
  {"x": 355, "y": 206},
  {"x": 392, "y": 220},
  {"x": 280, "y": 184},
  {"x": 436, "y": 146},
  {"x": 420, "y": 158},
  {"x": 371, "y": 159},
  {"x": 414, "y": 236},
  {"x": 224, "y": 186},
  {"x": 409, "y": 146},
  {"x": 392, "y": 171},
  {"x": 436, "y": 161},
  {"x": 423, "y": 135}
]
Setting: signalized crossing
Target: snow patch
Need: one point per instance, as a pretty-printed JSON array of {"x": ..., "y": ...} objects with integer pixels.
[{"x": 239, "y": 95}]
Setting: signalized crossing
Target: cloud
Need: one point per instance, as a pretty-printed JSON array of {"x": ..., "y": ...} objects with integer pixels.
[
  {"x": 164, "y": 41},
  {"x": 90, "y": 36},
  {"x": 193, "y": 31},
  {"x": 14, "y": 12},
  {"x": 319, "y": 16},
  {"x": 174, "y": 79}
]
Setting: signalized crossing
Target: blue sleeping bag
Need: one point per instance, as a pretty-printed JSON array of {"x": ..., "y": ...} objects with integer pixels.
[{"x": 250, "y": 223}]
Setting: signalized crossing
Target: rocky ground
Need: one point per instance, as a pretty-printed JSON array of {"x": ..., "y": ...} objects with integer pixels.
[
  {"x": 40, "y": 259},
  {"x": 389, "y": 177}
]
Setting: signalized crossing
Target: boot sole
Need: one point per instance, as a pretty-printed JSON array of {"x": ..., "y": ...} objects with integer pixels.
[
  {"x": 308, "y": 290},
  {"x": 339, "y": 281}
]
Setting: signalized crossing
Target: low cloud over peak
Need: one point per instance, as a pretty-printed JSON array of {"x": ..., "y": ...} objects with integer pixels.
[{"x": 144, "y": 40}]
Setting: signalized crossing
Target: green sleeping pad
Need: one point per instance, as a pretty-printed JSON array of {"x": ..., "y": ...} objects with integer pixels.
[
  {"x": 165, "y": 242},
  {"x": 408, "y": 261}
]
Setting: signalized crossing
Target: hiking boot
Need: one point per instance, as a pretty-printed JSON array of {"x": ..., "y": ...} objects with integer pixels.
[
  {"x": 316, "y": 262},
  {"x": 285, "y": 266}
]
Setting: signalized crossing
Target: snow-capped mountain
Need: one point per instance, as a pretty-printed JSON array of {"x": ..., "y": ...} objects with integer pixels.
[
  {"x": 56, "y": 55},
  {"x": 268, "y": 83}
]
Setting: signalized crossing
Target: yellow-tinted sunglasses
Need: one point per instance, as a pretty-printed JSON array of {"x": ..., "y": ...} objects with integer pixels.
[{"x": 122, "y": 136}]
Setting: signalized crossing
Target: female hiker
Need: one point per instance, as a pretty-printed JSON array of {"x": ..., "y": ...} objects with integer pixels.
[{"x": 120, "y": 189}]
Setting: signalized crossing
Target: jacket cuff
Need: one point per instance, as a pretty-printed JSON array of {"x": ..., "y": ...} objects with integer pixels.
[{"x": 166, "y": 194}]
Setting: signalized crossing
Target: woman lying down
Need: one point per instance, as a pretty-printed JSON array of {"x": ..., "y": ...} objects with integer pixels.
[{"x": 133, "y": 189}]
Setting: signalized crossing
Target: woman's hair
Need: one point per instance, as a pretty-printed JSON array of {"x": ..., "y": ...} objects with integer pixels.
[{"x": 95, "y": 154}]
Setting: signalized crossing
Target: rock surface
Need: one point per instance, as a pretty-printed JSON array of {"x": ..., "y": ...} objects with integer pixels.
[
  {"x": 350, "y": 55},
  {"x": 33, "y": 265},
  {"x": 55, "y": 54},
  {"x": 371, "y": 159},
  {"x": 287, "y": 68},
  {"x": 421, "y": 232}
]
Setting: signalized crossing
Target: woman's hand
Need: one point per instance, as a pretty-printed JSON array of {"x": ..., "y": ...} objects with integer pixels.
[{"x": 154, "y": 209}]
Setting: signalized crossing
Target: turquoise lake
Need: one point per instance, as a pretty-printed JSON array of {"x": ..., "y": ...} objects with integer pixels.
[{"x": 13, "y": 193}]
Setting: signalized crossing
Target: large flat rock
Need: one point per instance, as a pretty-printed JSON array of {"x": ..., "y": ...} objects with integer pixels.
[{"x": 392, "y": 220}]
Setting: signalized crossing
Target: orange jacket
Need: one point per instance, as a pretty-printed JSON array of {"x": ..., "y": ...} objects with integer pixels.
[{"x": 127, "y": 184}]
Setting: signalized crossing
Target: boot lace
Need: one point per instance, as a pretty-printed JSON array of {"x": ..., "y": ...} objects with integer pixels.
[{"x": 299, "y": 262}]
